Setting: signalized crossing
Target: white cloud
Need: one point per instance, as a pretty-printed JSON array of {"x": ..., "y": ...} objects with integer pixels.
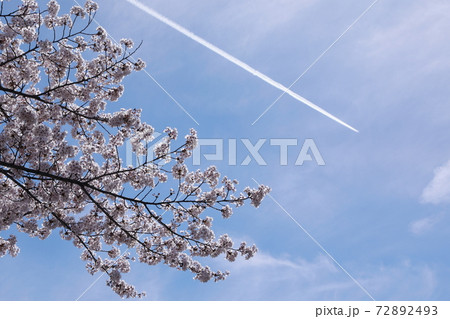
[
  {"x": 438, "y": 190},
  {"x": 424, "y": 225},
  {"x": 307, "y": 269},
  {"x": 266, "y": 277}
]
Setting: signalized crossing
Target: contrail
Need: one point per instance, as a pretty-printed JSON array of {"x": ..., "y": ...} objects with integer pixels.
[{"x": 234, "y": 60}]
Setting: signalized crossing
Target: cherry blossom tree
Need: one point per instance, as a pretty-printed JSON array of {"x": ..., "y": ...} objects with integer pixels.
[{"x": 60, "y": 163}]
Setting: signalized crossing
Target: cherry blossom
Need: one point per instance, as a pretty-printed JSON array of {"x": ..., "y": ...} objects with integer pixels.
[{"x": 60, "y": 163}]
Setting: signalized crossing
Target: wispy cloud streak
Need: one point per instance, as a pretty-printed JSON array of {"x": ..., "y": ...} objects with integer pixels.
[{"x": 234, "y": 60}]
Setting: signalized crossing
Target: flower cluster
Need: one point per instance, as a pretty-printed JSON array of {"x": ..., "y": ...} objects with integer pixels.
[{"x": 60, "y": 164}]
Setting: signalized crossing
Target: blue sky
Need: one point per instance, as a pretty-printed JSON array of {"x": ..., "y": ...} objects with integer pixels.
[{"x": 380, "y": 204}]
